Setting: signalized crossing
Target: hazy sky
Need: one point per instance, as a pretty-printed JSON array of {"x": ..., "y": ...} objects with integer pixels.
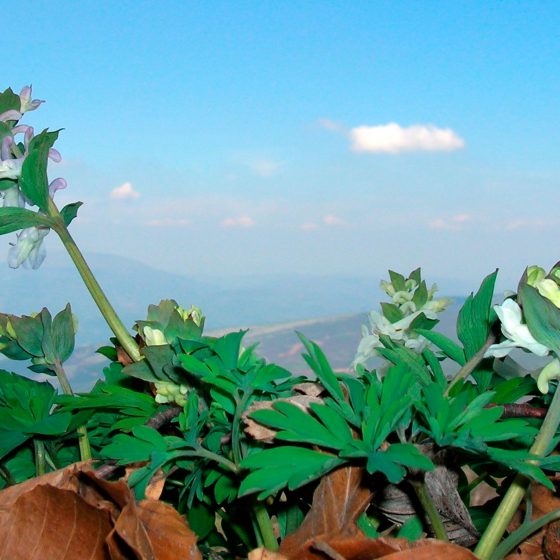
[{"x": 313, "y": 137}]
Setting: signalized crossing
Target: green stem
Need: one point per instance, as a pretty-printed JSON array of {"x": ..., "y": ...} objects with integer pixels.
[
  {"x": 201, "y": 452},
  {"x": 518, "y": 488},
  {"x": 265, "y": 527},
  {"x": 7, "y": 476},
  {"x": 83, "y": 439},
  {"x": 470, "y": 366},
  {"x": 113, "y": 320},
  {"x": 427, "y": 503},
  {"x": 523, "y": 533},
  {"x": 40, "y": 467}
]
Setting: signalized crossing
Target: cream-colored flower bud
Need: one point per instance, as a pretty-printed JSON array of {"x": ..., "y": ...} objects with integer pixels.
[
  {"x": 154, "y": 337},
  {"x": 387, "y": 287},
  {"x": 549, "y": 289},
  {"x": 535, "y": 274}
]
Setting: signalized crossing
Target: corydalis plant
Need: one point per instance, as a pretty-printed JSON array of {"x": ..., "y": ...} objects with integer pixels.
[
  {"x": 16, "y": 175},
  {"x": 24, "y": 182},
  {"x": 412, "y": 306}
]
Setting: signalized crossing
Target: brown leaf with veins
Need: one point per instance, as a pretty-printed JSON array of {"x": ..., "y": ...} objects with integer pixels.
[
  {"x": 48, "y": 522},
  {"x": 329, "y": 530},
  {"x": 338, "y": 501},
  {"x": 70, "y": 514}
]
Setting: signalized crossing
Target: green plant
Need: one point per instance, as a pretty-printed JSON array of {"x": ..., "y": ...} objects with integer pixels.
[{"x": 241, "y": 443}]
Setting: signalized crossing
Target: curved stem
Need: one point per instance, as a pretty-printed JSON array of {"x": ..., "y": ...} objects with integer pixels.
[
  {"x": 427, "y": 503},
  {"x": 517, "y": 490},
  {"x": 113, "y": 320},
  {"x": 6, "y": 475},
  {"x": 265, "y": 527},
  {"x": 470, "y": 366},
  {"x": 83, "y": 439},
  {"x": 523, "y": 533},
  {"x": 201, "y": 452}
]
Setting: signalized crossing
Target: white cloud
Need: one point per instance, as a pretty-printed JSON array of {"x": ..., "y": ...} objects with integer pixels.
[
  {"x": 265, "y": 167},
  {"x": 168, "y": 222},
  {"x": 125, "y": 191},
  {"x": 241, "y": 221},
  {"x": 393, "y": 138},
  {"x": 333, "y": 126},
  {"x": 461, "y": 218},
  {"x": 332, "y": 220},
  {"x": 454, "y": 223},
  {"x": 525, "y": 224},
  {"x": 308, "y": 226}
]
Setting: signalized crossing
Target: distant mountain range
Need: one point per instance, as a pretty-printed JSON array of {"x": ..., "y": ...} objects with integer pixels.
[
  {"x": 338, "y": 336},
  {"x": 131, "y": 287},
  {"x": 329, "y": 310}
]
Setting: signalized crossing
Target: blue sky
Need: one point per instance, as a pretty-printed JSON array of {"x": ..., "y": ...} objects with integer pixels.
[{"x": 227, "y": 138}]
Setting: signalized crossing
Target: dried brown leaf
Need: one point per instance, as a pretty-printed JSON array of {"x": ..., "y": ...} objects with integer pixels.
[
  {"x": 153, "y": 530},
  {"x": 390, "y": 548},
  {"x": 338, "y": 501},
  {"x": 310, "y": 389},
  {"x": 264, "y": 554},
  {"x": 399, "y": 503},
  {"x": 47, "y": 522},
  {"x": 71, "y": 514}
]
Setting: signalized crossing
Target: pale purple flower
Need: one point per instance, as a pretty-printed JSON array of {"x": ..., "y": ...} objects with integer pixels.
[
  {"x": 6, "y": 149},
  {"x": 23, "y": 129},
  {"x": 56, "y": 185},
  {"x": 27, "y": 104},
  {"x": 54, "y": 155},
  {"x": 28, "y": 249},
  {"x": 10, "y": 115}
]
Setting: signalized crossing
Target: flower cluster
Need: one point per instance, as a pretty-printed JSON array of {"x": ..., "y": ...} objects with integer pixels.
[
  {"x": 28, "y": 248},
  {"x": 411, "y": 301},
  {"x": 514, "y": 329},
  {"x": 165, "y": 325},
  {"x": 168, "y": 392}
]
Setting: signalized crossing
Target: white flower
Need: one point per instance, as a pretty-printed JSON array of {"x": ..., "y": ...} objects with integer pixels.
[
  {"x": 28, "y": 249},
  {"x": 10, "y": 168},
  {"x": 516, "y": 332},
  {"x": 13, "y": 198},
  {"x": 434, "y": 306},
  {"x": 28, "y": 104}
]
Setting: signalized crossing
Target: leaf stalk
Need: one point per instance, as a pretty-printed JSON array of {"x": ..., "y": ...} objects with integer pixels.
[{"x": 513, "y": 497}]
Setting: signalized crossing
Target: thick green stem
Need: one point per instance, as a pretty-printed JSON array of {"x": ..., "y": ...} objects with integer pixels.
[
  {"x": 427, "y": 503},
  {"x": 113, "y": 320},
  {"x": 517, "y": 490},
  {"x": 40, "y": 465},
  {"x": 83, "y": 440},
  {"x": 265, "y": 527}
]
